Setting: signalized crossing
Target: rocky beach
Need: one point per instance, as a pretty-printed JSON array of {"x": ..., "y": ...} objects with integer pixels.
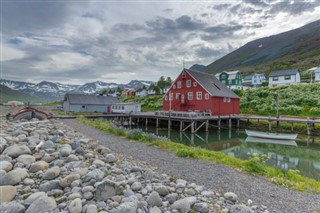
[{"x": 47, "y": 166}]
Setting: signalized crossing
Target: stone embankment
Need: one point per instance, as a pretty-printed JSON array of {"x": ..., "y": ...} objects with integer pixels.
[{"x": 45, "y": 166}]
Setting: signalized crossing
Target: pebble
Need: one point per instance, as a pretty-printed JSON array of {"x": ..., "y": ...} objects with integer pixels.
[{"x": 72, "y": 173}]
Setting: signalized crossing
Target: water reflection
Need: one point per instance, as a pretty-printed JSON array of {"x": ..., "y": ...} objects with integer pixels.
[{"x": 303, "y": 156}]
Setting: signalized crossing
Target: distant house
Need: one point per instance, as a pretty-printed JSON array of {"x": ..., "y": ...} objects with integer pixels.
[
  {"x": 232, "y": 79},
  {"x": 198, "y": 91},
  {"x": 317, "y": 75},
  {"x": 88, "y": 103},
  {"x": 126, "y": 107},
  {"x": 141, "y": 92},
  {"x": 151, "y": 90},
  {"x": 165, "y": 90},
  {"x": 283, "y": 77},
  {"x": 129, "y": 93},
  {"x": 254, "y": 80}
]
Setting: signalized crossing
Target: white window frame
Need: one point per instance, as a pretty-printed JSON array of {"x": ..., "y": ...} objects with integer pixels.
[
  {"x": 199, "y": 95},
  {"x": 190, "y": 96},
  {"x": 188, "y": 83},
  {"x": 195, "y": 84},
  {"x": 165, "y": 98},
  {"x": 177, "y": 96},
  {"x": 224, "y": 99},
  {"x": 207, "y": 96},
  {"x": 174, "y": 86},
  {"x": 179, "y": 84},
  {"x": 229, "y": 99}
]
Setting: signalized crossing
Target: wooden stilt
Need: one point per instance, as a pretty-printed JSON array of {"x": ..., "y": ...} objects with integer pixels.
[
  {"x": 230, "y": 122},
  {"x": 269, "y": 120},
  {"x": 181, "y": 126},
  {"x": 291, "y": 126},
  {"x": 238, "y": 123},
  {"x": 219, "y": 123},
  {"x": 157, "y": 123},
  {"x": 207, "y": 125},
  {"x": 130, "y": 122},
  {"x": 308, "y": 128},
  {"x": 169, "y": 124},
  {"x": 192, "y": 127}
]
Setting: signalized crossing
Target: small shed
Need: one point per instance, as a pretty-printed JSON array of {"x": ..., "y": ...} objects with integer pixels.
[
  {"x": 126, "y": 107},
  {"x": 88, "y": 103}
]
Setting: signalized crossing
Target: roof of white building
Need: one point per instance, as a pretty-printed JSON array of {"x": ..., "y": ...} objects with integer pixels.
[{"x": 284, "y": 72}]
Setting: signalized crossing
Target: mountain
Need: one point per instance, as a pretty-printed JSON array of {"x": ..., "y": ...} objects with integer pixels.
[
  {"x": 298, "y": 48},
  {"x": 52, "y": 91},
  {"x": 198, "y": 67},
  {"x": 7, "y": 94}
]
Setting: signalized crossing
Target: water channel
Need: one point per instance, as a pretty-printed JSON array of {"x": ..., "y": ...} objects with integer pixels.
[{"x": 303, "y": 155}]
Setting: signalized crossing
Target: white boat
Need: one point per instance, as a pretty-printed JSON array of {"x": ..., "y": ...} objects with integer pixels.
[
  {"x": 277, "y": 136},
  {"x": 271, "y": 141}
]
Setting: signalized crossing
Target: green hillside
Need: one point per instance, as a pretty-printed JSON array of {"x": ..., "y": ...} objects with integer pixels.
[
  {"x": 7, "y": 94},
  {"x": 298, "y": 48},
  {"x": 300, "y": 100}
]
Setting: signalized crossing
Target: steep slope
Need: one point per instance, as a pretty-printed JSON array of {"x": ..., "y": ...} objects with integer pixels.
[
  {"x": 299, "y": 48},
  {"x": 7, "y": 94}
]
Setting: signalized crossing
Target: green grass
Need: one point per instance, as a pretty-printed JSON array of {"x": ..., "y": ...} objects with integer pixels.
[{"x": 254, "y": 166}]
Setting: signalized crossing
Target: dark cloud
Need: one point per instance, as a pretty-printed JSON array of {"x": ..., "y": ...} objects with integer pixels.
[
  {"x": 224, "y": 28},
  {"x": 259, "y": 3},
  {"x": 128, "y": 27},
  {"x": 220, "y": 7},
  {"x": 294, "y": 9},
  {"x": 165, "y": 25},
  {"x": 29, "y": 16},
  {"x": 206, "y": 52}
]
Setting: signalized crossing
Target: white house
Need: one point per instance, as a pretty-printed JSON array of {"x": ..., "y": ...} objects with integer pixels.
[
  {"x": 317, "y": 75},
  {"x": 258, "y": 79},
  {"x": 141, "y": 92},
  {"x": 126, "y": 107},
  {"x": 283, "y": 77}
]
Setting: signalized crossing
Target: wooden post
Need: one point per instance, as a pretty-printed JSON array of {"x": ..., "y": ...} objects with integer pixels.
[
  {"x": 219, "y": 123},
  {"x": 181, "y": 126},
  {"x": 169, "y": 124},
  {"x": 146, "y": 123},
  {"x": 192, "y": 127},
  {"x": 207, "y": 125},
  {"x": 157, "y": 123},
  {"x": 313, "y": 124},
  {"x": 137, "y": 121},
  {"x": 308, "y": 129},
  {"x": 230, "y": 122},
  {"x": 291, "y": 126},
  {"x": 269, "y": 123},
  {"x": 130, "y": 122},
  {"x": 238, "y": 123}
]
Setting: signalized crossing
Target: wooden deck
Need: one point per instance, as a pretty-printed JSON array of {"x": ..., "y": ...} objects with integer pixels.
[{"x": 195, "y": 121}]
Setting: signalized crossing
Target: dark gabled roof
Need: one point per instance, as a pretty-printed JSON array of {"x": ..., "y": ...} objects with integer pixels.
[
  {"x": 283, "y": 72},
  {"x": 212, "y": 84},
  {"x": 90, "y": 99}
]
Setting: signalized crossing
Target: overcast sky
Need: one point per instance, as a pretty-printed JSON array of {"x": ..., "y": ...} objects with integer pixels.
[{"x": 77, "y": 42}]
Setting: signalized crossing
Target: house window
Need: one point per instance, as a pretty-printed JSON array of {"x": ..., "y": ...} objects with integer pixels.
[
  {"x": 122, "y": 107},
  {"x": 177, "y": 96},
  {"x": 170, "y": 96},
  {"x": 190, "y": 96},
  {"x": 199, "y": 95},
  {"x": 165, "y": 98},
  {"x": 287, "y": 77},
  {"x": 188, "y": 83},
  {"x": 183, "y": 74},
  {"x": 174, "y": 86},
  {"x": 224, "y": 99},
  {"x": 179, "y": 84},
  {"x": 228, "y": 100},
  {"x": 275, "y": 78},
  {"x": 195, "y": 84},
  {"x": 223, "y": 76},
  {"x": 206, "y": 96}
]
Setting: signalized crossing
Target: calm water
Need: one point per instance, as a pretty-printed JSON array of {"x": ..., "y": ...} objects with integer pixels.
[{"x": 304, "y": 155}]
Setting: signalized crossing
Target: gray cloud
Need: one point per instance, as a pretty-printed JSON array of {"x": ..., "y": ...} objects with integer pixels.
[
  {"x": 206, "y": 52},
  {"x": 294, "y": 9}
]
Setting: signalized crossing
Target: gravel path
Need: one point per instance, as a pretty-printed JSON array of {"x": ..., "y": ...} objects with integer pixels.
[{"x": 216, "y": 177}]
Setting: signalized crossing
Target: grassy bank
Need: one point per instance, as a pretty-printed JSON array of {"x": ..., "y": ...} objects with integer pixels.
[{"x": 254, "y": 166}]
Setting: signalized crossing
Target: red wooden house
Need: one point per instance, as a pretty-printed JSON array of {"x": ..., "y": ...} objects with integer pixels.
[{"x": 203, "y": 92}]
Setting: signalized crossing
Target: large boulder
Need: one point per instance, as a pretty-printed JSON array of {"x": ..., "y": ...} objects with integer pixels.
[
  {"x": 17, "y": 150},
  {"x": 13, "y": 177},
  {"x": 7, "y": 193},
  {"x": 39, "y": 166},
  {"x": 42, "y": 204},
  {"x": 51, "y": 173},
  {"x": 107, "y": 190}
]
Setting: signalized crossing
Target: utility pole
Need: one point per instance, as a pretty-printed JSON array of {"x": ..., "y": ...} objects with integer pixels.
[{"x": 278, "y": 108}]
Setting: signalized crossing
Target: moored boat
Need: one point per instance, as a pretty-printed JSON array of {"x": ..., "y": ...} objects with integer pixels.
[
  {"x": 271, "y": 141},
  {"x": 278, "y": 136}
]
